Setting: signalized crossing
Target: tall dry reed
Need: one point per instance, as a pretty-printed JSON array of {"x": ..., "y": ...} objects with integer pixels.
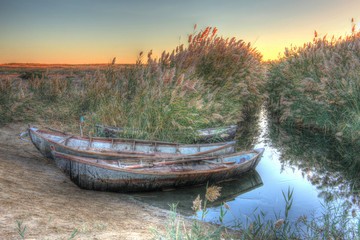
[
  {"x": 213, "y": 81},
  {"x": 317, "y": 85}
]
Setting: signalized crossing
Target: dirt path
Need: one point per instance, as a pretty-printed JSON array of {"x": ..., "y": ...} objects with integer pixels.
[{"x": 33, "y": 190}]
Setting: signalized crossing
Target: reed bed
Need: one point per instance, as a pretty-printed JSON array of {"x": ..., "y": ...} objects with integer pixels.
[
  {"x": 317, "y": 86},
  {"x": 213, "y": 81}
]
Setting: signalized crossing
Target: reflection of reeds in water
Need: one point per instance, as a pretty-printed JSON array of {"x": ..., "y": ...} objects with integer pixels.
[
  {"x": 332, "y": 167},
  {"x": 248, "y": 131}
]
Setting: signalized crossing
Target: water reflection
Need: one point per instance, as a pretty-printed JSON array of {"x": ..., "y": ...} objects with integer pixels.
[
  {"x": 249, "y": 131},
  {"x": 319, "y": 168},
  {"x": 184, "y": 197},
  {"x": 331, "y": 166}
]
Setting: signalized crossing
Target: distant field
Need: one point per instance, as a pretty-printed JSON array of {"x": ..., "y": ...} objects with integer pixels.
[
  {"x": 8, "y": 68},
  {"x": 14, "y": 70},
  {"x": 60, "y": 66}
]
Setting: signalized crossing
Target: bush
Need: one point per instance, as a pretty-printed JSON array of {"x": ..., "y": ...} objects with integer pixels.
[
  {"x": 31, "y": 75},
  {"x": 317, "y": 86}
]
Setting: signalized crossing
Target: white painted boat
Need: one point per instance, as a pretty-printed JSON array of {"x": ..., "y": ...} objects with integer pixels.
[{"x": 114, "y": 148}]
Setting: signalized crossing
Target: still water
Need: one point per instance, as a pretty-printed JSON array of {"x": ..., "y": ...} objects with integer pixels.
[{"x": 307, "y": 163}]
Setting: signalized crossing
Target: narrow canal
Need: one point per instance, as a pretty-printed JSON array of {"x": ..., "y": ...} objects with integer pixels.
[{"x": 317, "y": 168}]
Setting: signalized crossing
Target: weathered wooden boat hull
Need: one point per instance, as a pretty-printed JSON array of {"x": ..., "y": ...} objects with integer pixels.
[
  {"x": 93, "y": 174},
  {"x": 203, "y": 135},
  {"x": 115, "y": 148}
]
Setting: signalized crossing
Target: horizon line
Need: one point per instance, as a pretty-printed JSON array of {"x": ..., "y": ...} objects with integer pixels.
[{"x": 62, "y": 64}]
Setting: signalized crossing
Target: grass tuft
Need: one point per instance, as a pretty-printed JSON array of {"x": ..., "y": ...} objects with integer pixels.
[{"x": 21, "y": 229}]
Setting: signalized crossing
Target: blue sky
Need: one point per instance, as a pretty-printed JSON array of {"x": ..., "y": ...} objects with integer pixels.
[{"x": 80, "y": 31}]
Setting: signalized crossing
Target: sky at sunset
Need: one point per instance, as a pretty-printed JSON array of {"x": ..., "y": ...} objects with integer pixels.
[{"x": 89, "y": 31}]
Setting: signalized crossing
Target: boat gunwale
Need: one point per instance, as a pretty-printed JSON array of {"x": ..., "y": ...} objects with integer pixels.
[{"x": 85, "y": 160}]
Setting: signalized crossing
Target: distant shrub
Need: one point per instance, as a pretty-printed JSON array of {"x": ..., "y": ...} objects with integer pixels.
[{"x": 31, "y": 75}]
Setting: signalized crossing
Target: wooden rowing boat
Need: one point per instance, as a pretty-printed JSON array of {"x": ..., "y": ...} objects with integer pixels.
[
  {"x": 203, "y": 135},
  {"x": 122, "y": 176},
  {"x": 114, "y": 148}
]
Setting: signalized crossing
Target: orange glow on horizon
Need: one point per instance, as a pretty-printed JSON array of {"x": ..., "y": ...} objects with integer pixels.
[
  {"x": 270, "y": 46},
  {"x": 42, "y": 32}
]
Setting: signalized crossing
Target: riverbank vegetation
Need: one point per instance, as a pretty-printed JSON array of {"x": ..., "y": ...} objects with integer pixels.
[
  {"x": 213, "y": 81},
  {"x": 317, "y": 86}
]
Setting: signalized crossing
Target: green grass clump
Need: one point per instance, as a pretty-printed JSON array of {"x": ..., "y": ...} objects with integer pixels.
[
  {"x": 14, "y": 104},
  {"x": 318, "y": 86},
  {"x": 21, "y": 229},
  {"x": 31, "y": 75}
]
